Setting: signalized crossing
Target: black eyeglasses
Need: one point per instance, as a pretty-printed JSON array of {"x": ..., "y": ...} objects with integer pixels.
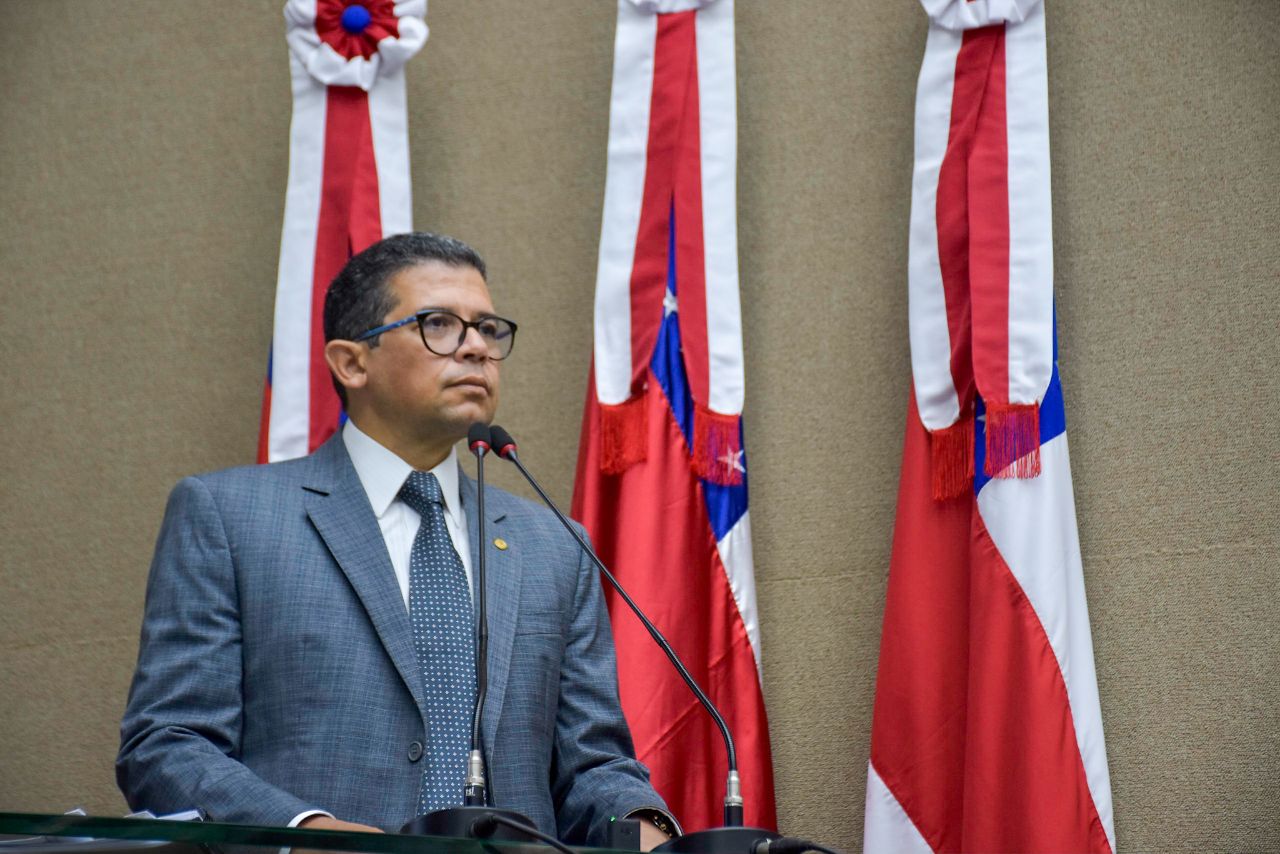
[{"x": 443, "y": 332}]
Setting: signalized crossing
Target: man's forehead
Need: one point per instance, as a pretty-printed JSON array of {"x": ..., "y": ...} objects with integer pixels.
[{"x": 434, "y": 284}]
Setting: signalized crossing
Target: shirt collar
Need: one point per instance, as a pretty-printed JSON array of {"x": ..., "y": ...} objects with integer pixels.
[{"x": 382, "y": 473}]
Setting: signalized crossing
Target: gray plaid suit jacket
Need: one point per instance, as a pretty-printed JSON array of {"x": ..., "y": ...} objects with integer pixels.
[{"x": 277, "y": 673}]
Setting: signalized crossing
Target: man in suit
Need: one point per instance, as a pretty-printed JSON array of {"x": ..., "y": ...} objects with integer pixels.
[{"x": 305, "y": 656}]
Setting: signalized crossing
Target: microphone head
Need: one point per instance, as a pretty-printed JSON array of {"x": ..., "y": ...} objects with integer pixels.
[
  {"x": 503, "y": 444},
  {"x": 478, "y": 439}
]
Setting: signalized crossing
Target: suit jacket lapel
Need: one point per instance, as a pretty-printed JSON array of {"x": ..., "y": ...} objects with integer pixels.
[
  {"x": 340, "y": 510},
  {"x": 502, "y": 568}
]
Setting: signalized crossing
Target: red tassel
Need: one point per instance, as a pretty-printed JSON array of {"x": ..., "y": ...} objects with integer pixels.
[
  {"x": 717, "y": 446},
  {"x": 952, "y": 452},
  {"x": 622, "y": 434},
  {"x": 1013, "y": 440}
]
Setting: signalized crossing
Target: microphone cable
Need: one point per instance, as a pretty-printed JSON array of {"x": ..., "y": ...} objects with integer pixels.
[{"x": 483, "y": 828}]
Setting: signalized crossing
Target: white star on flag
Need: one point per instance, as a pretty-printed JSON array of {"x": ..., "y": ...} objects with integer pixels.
[
  {"x": 734, "y": 460},
  {"x": 668, "y": 303}
]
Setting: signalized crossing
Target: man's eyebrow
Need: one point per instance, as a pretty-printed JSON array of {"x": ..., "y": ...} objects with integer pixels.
[{"x": 479, "y": 315}]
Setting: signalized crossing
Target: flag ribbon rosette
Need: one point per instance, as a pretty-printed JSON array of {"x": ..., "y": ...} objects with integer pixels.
[
  {"x": 671, "y": 191},
  {"x": 980, "y": 256},
  {"x": 348, "y": 187}
]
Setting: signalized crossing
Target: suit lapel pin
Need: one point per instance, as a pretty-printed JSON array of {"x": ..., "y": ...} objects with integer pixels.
[{"x": 500, "y": 543}]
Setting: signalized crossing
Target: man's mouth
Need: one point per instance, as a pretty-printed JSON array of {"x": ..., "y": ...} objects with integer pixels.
[{"x": 471, "y": 382}]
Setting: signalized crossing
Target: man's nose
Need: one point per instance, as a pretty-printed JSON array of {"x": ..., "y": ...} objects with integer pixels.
[{"x": 473, "y": 345}]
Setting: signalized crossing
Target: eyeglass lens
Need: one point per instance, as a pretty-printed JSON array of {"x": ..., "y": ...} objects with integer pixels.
[{"x": 443, "y": 332}]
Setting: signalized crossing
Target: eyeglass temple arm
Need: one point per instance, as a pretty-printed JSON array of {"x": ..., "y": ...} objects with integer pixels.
[{"x": 387, "y": 328}]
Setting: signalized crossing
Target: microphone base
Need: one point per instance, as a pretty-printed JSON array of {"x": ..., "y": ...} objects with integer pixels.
[
  {"x": 460, "y": 823},
  {"x": 719, "y": 840}
]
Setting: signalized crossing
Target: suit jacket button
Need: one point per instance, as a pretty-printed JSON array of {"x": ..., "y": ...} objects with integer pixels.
[{"x": 415, "y": 751}]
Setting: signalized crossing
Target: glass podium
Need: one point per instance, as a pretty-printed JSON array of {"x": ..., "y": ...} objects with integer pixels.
[{"x": 33, "y": 833}]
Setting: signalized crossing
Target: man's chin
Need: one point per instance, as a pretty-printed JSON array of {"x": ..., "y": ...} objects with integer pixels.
[{"x": 461, "y": 418}]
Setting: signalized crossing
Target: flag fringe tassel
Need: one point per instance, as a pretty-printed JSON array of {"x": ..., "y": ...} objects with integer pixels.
[
  {"x": 622, "y": 434},
  {"x": 952, "y": 452},
  {"x": 1013, "y": 440},
  {"x": 717, "y": 443}
]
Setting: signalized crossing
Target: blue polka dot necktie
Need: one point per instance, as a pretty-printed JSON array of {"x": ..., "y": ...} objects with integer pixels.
[{"x": 443, "y": 635}]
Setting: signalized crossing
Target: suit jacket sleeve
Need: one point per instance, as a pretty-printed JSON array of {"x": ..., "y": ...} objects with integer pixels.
[
  {"x": 595, "y": 775},
  {"x": 181, "y": 732}
]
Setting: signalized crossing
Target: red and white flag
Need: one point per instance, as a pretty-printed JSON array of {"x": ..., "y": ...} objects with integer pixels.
[
  {"x": 987, "y": 731},
  {"x": 348, "y": 188},
  {"x": 662, "y": 474}
]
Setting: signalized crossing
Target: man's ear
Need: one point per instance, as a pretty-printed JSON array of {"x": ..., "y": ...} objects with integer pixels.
[{"x": 346, "y": 361}]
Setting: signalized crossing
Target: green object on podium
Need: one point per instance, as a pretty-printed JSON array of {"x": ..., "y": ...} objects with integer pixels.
[{"x": 33, "y": 833}]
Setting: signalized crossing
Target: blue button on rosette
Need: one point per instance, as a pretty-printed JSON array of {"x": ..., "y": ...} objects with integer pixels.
[{"x": 355, "y": 18}]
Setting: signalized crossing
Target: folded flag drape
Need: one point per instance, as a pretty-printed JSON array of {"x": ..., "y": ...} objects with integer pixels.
[
  {"x": 987, "y": 728},
  {"x": 662, "y": 476},
  {"x": 348, "y": 187},
  {"x": 980, "y": 266}
]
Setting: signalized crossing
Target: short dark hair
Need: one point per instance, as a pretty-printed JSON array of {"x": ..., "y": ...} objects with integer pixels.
[{"x": 358, "y": 298}]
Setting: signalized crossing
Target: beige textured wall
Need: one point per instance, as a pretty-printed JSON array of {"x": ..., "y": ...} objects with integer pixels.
[{"x": 143, "y": 155}]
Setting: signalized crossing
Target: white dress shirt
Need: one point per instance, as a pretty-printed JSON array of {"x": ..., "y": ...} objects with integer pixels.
[{"x": 382, "y": 474}]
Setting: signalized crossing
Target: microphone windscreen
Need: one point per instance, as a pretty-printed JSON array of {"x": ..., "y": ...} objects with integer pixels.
[
  {"x": 503, "y": 444},
  {"x": 478, "y": 436}
]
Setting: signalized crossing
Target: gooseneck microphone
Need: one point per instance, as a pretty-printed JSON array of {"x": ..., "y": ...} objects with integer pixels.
[
  {"x": 475, "y": 790},
  {"x": 732, "y": 837}
]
